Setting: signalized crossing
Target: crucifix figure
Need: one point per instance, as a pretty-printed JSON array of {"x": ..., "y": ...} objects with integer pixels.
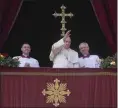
[{"x": 63, "y": 15}]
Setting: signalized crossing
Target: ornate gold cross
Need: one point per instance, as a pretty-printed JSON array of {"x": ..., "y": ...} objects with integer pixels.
[{"x": 63, "y": 15}]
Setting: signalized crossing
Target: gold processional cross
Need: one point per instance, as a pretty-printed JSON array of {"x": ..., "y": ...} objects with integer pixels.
[{"x": 63, "y": 15}]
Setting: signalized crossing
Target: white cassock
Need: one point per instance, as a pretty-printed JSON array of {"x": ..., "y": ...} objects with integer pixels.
[
  {"x": 66, "y": 58},
  {"x": 92, "y": 61},
  {"x": 33, "y": 62}
]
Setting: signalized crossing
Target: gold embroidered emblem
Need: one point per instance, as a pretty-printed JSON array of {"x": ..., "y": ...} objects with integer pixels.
[{"x": 56, "y": 92}]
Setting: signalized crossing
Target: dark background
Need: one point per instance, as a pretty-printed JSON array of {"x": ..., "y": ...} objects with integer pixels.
[{"x": 36, "y": 25}]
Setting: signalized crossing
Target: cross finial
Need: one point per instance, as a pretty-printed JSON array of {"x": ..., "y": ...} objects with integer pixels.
[
  {"x": 63, "y": 7},
  {"x": 63, "y": 15}
]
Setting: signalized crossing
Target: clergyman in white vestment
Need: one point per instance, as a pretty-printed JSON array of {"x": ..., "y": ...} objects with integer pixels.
[
  {"x": 87, "y": 60},
  {"x": 62, "y": 55},
  {"x": 25, "y": 60}
]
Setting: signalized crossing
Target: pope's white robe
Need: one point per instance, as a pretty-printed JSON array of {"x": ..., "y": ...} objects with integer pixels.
[
  {"x": 92, "y": 61},
  {"x": 33, "y": 62},
  {"x": 66, "y": 58}
]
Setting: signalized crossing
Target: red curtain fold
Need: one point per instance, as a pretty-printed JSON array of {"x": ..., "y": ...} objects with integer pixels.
[
  {"x": 106, "y": 13},
  {"x": 8, "y": 12}
]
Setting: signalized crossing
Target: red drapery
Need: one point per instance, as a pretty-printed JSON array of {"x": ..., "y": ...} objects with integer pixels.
[
  {"x": 8, "y": 12},
  {"x": 90, "y": 88},
  {"x": 106, "y": 13}
]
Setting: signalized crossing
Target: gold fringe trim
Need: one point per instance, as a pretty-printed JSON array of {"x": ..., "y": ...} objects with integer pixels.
[{"x": 58, "y": 74}]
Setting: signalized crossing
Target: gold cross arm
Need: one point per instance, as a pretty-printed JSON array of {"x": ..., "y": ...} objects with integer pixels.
[
  {"x": 57, "y": 14},
  {"x": 69, "y": 15},
  {"x": 63, "y": 14}
]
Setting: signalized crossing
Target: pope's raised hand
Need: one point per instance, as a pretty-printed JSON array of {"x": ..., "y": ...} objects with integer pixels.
[{"x": 67, "y": 34}]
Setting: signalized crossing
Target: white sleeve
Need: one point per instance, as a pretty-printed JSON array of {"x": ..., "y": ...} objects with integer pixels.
[
  {"x": 36, "y": 64},
  {"x": 97, "y": 63},
  {"x": 51, "y": 56},
  {"x": 16, "y": 57},
  {"x": 57, "y": 46},
  {"x": 59, "y": 43},
  {"x": 76, "y": 65}
]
